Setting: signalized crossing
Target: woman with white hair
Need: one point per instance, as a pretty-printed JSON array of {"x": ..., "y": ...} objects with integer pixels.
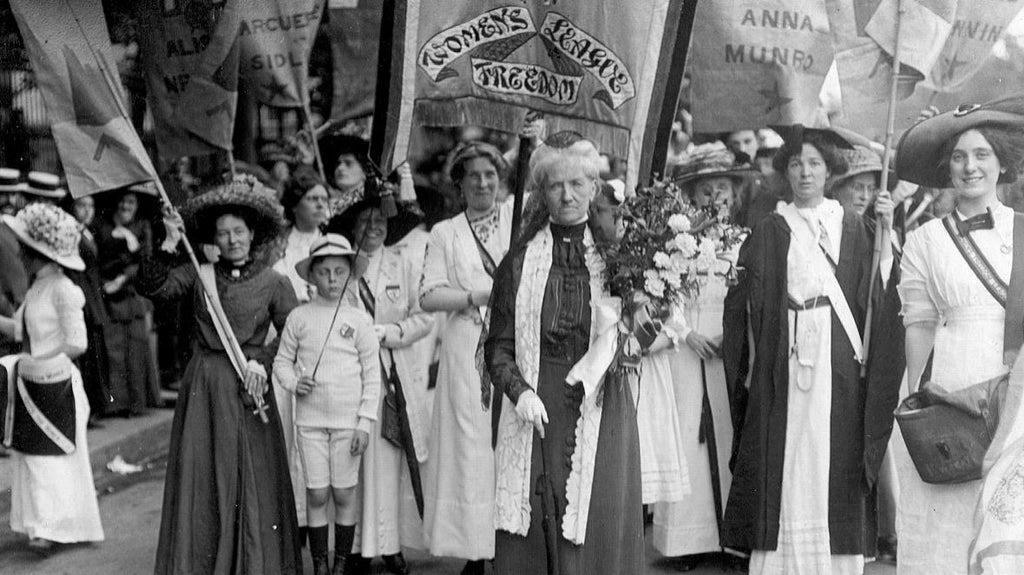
[{"x": 586, "y": 442}]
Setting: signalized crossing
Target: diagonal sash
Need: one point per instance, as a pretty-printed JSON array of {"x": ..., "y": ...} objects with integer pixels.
[
  {"x": 981, "y": 267},
  {"x": 489, "y": 266}
]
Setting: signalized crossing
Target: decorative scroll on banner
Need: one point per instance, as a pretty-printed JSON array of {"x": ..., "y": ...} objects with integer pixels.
[
  {"x": 758, "y": 62},
  {"x": 977, "y": 27},
  {"x": 190, "y": 53},
  {"x": 277, "y": 37},
  {"x": 593, "y": 68},
  {"x": 69, "y": 48},
  {"x": 355, "y": 36}
]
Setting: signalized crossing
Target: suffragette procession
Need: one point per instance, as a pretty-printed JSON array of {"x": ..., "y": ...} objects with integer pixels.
[{"x": 543, "y": 287}]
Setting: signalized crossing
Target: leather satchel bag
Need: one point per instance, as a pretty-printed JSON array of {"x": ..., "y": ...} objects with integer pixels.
[
  {"x": 391, "y": 419},
  {"x": 947, "y": 434}
]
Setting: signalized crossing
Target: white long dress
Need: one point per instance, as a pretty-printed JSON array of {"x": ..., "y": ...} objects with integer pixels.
[
  {"x": 689, "y": 527},
  {"x": 804, "y": 545},
  {"x": 459, "y": 515},
  {"x": 53, "y": 497},
  {"x": 935, "y": 522}
]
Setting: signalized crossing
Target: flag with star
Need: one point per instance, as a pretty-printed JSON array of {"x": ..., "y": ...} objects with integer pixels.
[
  {"x": 190, "y": 56},
  {"x": 69, "y": 49},
  {"x": 977, "y": 27},
  {"x": 276, "y": 41},
  {"x": 758, "y": 62}
]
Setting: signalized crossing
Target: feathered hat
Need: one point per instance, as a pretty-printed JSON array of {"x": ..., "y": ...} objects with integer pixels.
[{"x": 244, "y": 193}]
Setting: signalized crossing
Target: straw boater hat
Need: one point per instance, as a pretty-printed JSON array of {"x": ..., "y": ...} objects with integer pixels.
[
  {"x": 713, "y": 160},
  {"x": 332, "y": 245},
  {"x": 50, "y": 231},
  {"x": 10, "y": 180},
  {"x": 45, "y": 185},
  {"x": 244, "y": 193},
  {"x": 917, "y": 157}
]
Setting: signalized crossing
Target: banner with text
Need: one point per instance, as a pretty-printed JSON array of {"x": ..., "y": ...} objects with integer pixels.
[
  {"x": 190, "y": 52},
  {"x": 72, "y": 59},
  {"x": 758, "y": 62},
  {"x": 977, "y": 27},
  {"x": 355, "y": 37},
  {"x": 277, "y": 37},
  {"x": 591, "y": 68}
]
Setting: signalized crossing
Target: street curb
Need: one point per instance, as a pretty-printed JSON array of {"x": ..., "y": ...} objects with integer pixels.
[{"x": 139, "y": 447}]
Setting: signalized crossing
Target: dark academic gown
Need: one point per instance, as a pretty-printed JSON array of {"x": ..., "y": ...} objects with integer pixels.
[
  {"x": 13, "y": 282},
  {"x": 756, "y": 310},
  {"x": 93, "y": 363}
]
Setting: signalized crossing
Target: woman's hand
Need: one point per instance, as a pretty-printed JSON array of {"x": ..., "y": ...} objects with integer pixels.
[
  {"x": 174, "y": 227},
  {"x": 360, "y": 441},
  {"x": 530, "y": 408},
  {"x": 884, "y": 208},
  {"x": 113, "y": 286},
  {"x": 929, "y": 112},
  {"x": 704, "y": 346},
  {"x": 255, "y": 380},
  {"x": 534, "y": 130},
  {"x": 304, "y": 386},
  {"x": 128, "y": 236}
]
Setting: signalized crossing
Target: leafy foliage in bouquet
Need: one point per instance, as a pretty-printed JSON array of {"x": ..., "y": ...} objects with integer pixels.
[{"x": 666, "y": 247}]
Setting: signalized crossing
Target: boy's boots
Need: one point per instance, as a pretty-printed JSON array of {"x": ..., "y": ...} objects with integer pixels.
[
  {"x": 344, "y": 564},
  {"x": 318, "y": 549}
]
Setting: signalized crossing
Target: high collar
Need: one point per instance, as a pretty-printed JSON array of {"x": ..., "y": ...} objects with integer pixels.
[
  {"x": 569, "y": 232},
  {"x": 237, "y": 273}
]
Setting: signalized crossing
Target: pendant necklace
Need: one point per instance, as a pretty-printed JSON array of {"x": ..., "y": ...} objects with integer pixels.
[{"x": 1004, "y": 246}]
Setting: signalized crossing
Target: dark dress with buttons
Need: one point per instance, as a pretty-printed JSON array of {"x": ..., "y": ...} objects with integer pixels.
[{"x": 614, "y": 540}]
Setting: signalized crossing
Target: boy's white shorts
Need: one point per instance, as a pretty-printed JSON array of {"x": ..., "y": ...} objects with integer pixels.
[{"x": 326, "y": 457}]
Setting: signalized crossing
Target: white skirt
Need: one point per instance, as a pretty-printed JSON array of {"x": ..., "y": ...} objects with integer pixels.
[{"x": 663, "y": 471}]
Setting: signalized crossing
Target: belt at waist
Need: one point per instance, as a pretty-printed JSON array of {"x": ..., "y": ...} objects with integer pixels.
[{"x": 814, "y": 302}]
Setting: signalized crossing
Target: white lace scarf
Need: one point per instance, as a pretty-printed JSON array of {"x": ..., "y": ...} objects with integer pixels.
[{"x": 514, "y": 449}]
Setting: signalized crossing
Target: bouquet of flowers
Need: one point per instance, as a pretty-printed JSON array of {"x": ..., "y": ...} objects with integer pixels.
[{"x": 657, "y": 264}]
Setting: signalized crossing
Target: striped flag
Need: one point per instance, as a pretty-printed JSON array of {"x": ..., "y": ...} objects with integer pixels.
[
  {"x": 277, "y": 38},
  {"x": 69, "y": 48},
  {"x": 597, "y": 68}
]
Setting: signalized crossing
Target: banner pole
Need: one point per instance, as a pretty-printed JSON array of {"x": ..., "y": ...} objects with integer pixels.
[
  {"x": 882, "y": 233},
  {"x": 308, "y": 117}
]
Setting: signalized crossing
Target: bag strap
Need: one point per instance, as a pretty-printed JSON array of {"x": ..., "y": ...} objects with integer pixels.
[
  {"x": 489, "y": 266},
  {"x": 1013, "y": 326},
  {"x": 981, "y": 267}
]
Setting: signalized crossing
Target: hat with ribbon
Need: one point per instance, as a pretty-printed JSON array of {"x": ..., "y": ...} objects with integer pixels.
[
  {"x": 10, "y": 180},
  {"x": 50, "y": 231},
  {"x": 917, "y": 155},
  {"x": 332, "y": 245},
  {"x": 44, "y": 184},
  {"x": 712, "y": 160}
]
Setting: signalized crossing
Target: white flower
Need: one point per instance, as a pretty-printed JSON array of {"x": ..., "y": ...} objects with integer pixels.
[
  {"x": 679, "y": 223},
  {"x": 653, "y": 284},
  {"x": 673, "y": 279},
  {"x": 662, "y": 260},
  {"x": 686, "y": 244},
  {"x": 680, "y": 263}
]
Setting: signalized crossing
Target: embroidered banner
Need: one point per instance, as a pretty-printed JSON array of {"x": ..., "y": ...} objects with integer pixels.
[
  {"x": 277, "y": 37},
  {"x": 597, "y": 69},
  {"x": 69, "y": 48},
  {"x": 758, "y": 62}
]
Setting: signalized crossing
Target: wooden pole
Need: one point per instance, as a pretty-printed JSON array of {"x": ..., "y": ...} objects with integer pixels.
[
  {"x": 881, "y": 232},
  {"x": 308, "y": 116}
]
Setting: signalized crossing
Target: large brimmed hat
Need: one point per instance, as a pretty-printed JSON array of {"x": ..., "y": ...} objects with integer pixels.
[
  {"x": 796, "y": 134},
  {"x": 332, "y": 245},
  {"x": 44, "y": 184},
  {"x": 712, "y": 160},
  {"x": 50, "y": 231},
  {"x": 917, "y": 156},
  {"x": 244, "y": 193},
  {"x": 345, "y": 222},
  {"x": 10, "y": 180}
]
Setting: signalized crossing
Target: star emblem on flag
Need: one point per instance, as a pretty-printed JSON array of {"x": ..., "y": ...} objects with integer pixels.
[
  {"x": 952, "y": 65},
  {"x": 775, "y": 100},
  {"x": 276, "y": 89}
]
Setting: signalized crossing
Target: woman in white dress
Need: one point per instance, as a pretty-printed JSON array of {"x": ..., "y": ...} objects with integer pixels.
[
  {"x": 711, "y": 177},
  {"x": 949, "y": 313},
  {"x": 462, "y": 256},
  {"x": 53, "y": 499}
]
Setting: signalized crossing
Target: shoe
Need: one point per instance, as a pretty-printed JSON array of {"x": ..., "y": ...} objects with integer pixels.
[
  {"x": 687, "y": 562},
  {"x": 41, "y": 546},
  {"x": 320, "y": 566},
  {"x": 473, "y": 568},
  {"x": 396, "y": 564},
  {"x": 340, "y": 566}
]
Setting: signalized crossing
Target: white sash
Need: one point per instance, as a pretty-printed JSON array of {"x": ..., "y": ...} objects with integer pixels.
[
  {"x": 52, "y": 370},
  {"x": 224, "y": 332}
]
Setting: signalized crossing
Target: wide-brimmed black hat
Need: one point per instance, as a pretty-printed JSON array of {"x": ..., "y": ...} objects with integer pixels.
[
  {"x": 796, "y": 134},
  {"x": 917, "y": 155},
  {"x": 345, "y": 222},
  {"x": 244, "y": 193}
]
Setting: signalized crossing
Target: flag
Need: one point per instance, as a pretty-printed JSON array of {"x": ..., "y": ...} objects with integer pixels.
[
  {"x": 277, "y": 38},
  {"x": 758, "y": 62},
  {"x": 975, "y": 30},
  {"x": 190, "y": 54},
  {"x": 69, "y": 48},
  {"x": 592, "y": 68},
  {"x": 355, "y": 37},
  {"x": 924, "y": 27}
]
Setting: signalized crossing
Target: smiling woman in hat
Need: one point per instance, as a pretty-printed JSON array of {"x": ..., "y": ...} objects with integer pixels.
[
  {"x": 53, "y": 499},
  {"x": 228, "y": 502},
  {"x": 950, "y": 313},
  {"x": 796, "y": 499}
]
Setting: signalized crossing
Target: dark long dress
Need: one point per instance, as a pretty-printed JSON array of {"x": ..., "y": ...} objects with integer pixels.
[
  {"x": 614, "y": 537},
  {"x": 133, "y": 383},
  {"x": 93, "y": 363},
  {"x": 228, "y": 505}
]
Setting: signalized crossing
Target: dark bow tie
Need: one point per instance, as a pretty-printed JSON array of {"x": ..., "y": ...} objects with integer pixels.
[{"x": 979, "y": 222}]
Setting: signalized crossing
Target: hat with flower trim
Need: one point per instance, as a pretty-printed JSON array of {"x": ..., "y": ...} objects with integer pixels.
[
  {"x": 712, "y": 160},
  {"x": 243, "y": 194},
  {"x": 50, "y": 231}
]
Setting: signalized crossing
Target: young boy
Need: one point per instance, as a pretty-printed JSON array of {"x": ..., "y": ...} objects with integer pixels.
[{"x": 337, "y": 405}]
